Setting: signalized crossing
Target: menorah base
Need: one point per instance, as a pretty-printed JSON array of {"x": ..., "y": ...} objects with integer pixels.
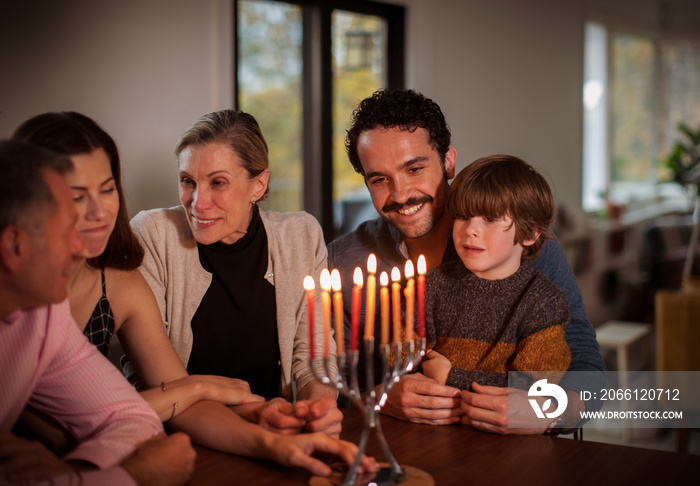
[{"x": 412, "y": 477}]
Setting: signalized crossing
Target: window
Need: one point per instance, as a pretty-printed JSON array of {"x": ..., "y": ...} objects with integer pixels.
[
  {"x": 301, "y": 68},
  {"x": 637, "y": 88},
  {"x": 270, "y": 88}
]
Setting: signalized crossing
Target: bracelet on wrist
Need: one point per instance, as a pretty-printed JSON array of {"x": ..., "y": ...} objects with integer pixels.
[{"x": 173, "y": 414}]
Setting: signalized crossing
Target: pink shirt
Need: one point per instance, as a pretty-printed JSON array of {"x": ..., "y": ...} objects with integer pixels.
[{"x": 47, "y": 362}]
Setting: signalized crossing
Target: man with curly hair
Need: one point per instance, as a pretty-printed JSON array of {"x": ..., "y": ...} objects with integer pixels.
[{"x": 399, "y": 142}]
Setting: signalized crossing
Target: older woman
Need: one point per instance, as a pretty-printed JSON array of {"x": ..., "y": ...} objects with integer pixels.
[
  {"x": 108, "y": 294},
  {"x": 228, "y": 277}
]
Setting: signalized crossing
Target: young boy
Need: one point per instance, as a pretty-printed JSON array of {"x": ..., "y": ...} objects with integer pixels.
[{"x": 493, "y": 312}]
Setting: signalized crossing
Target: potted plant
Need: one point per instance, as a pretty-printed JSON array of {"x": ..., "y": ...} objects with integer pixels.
[{"x": 684, "y": 161}]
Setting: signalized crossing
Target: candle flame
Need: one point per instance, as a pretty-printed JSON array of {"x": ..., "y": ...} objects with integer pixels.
[
  {"x": 309, "y": 283},
  {"x": 408, "y": 269},
  {"x": 384, "y": 279},
  {"x": 357, "y": 277},
  {"x": 335, "y": 280},
  {"x": 325, "y": 280},
  {"x": 421, "y": 265},
  {"x": 395, "y": 274},
  {"x": 371, "y": 263}
]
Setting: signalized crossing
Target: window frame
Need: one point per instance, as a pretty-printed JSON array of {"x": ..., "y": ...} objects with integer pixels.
[{"x": 317, "y": 90}]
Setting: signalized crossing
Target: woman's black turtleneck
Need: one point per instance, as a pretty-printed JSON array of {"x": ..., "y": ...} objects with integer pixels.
[{"x": 235, "y": 326}]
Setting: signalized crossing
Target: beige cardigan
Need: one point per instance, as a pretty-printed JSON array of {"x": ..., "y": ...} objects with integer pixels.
[{"x": 295, "y": 249}]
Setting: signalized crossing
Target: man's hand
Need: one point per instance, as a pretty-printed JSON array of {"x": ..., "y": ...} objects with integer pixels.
[
  {"x": 162, "y": 461},
  {"x": 486, "y": 408},
  {"x": 320, "y": 415},
  {"x": 417, "y": 398},
  {"x": 276, "y": 415},
  {"x": 436, "y": 366},
  {"x": 23, "y": 460}
]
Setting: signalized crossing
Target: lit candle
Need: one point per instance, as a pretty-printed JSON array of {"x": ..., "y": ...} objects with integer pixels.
[
  {"x": 325, "y": 282},
  {"x": 396, "y": 303},
  {"x": 384, "y": 306},
  {"x": 355, "y": 309},
  {"x": 309, "y": 286},
  {"x": 338, "y": 311},
  {"x": 371, "y": 293},
  {"x": 410, "y": 294},
  {"x": 421, "y": 296}
]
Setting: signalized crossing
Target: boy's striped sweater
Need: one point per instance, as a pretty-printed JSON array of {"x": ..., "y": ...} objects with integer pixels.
[{"x": 489, "y": 327}]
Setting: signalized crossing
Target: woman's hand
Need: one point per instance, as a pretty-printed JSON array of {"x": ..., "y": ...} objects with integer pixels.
[
  {"x": 282, "y": 417},
  {"x": 188, "y": 390},
  {"x": 320, "y": 415},
  {"x": 295, "y": 451},
  {"x": 276, "y": 415},
  {"x": 436, "y": 366},
  {"x": 229, "y": 391}
]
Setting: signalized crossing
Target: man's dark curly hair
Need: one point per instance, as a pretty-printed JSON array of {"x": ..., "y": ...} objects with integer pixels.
[{"x": 400, "y": 108}]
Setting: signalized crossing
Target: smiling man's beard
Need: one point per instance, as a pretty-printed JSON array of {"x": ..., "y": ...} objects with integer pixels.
[{"x": 428, "y": 222}]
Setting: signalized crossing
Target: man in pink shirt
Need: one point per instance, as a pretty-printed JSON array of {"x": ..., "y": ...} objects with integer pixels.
[{"x": 47, "y": 363}]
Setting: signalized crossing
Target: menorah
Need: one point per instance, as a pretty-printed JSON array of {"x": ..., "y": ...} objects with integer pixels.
[{"x": 399, "y": 357}]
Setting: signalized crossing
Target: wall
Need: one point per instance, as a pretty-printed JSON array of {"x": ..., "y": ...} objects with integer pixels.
[
  {"x": 508, "y": 74},
  {"x": 143, "y": 70}
]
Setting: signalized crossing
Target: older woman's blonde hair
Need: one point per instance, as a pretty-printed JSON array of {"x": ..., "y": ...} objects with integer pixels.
[{"x": 237, "y": 130}]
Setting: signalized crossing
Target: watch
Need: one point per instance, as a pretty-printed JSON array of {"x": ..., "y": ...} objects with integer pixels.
[{"x": 555, "y": 427}]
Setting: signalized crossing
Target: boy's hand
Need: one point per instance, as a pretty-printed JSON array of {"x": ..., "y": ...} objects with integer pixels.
[{"x": 436, "y": 367}]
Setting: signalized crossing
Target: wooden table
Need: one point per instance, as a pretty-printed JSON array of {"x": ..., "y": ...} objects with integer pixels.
[{"x": 461, "y": 455}]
